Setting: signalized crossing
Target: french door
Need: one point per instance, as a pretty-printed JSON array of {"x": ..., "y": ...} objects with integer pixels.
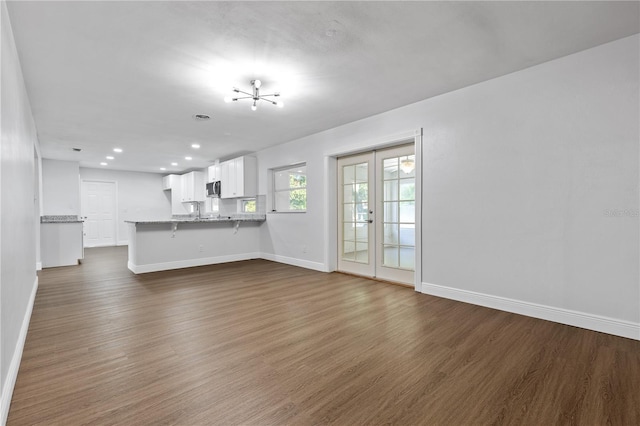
[{"x": 376, "y": 215}]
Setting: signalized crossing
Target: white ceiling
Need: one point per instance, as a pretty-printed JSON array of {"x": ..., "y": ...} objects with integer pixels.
[{"x": 132, "y": 74}]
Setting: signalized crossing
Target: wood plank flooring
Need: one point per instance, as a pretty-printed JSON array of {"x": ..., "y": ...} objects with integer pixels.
[{"x": 261, "y": 343}]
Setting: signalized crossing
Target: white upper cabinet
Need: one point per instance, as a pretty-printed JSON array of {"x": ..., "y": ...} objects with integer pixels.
[
  {"x": 171, "y": 182},
  {"x": 193, "y": 187},
  {"x": 214, "y": 173},
  {"x": 239, "y": 177}
]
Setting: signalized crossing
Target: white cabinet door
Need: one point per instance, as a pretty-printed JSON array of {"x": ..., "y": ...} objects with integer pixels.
[
  {"x": 247, "y": 175},
  {"x": 170, "y": 182},
  {"x": 228, "y": 181},
  {"x": 239, "y": 177},
  {"x": 213, "y": 173},
  {"x": 193, "y": 187},
  {"x": 177, "y": 208}
]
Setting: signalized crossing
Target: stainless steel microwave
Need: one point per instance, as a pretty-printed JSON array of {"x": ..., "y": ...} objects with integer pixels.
[{"x": 213, "y": 189}]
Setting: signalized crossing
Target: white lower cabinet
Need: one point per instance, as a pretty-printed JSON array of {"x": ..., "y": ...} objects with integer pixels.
[{"x": 61, "y": 243}]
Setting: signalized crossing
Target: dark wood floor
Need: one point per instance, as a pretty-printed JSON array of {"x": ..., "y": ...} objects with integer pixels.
[{"x": 260, "y": 343}]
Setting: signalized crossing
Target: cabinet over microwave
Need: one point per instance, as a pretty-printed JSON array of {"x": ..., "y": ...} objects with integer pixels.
[{"x": 213, "y": 189}]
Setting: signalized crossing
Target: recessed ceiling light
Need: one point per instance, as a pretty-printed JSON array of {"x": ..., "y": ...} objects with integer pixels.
[
  {"x": 110, "y": 157},
  {"x": 103, "y": 164},
  {"x": 117, "y": 149},
  {"x": 174, "y": 164},
  {"x": 195, "y": 145},
  {"x": 201, "y": 117},
  {"x": 188, "y": 158},
  {"x": 163, "y": 168}
]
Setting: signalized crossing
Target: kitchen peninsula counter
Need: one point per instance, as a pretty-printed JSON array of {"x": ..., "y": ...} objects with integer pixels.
[
  {"x": 159, "y": 245},
  {"x": 213, "y": 219}
]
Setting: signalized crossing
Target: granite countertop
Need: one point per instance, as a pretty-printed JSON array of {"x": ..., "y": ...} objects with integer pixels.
[
  {"x": 60, "y": 219},
  {"x": 232, "y": 218}
]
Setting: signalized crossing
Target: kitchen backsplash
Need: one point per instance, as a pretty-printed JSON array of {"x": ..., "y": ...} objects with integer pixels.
[{"x": 226, "y": 207}]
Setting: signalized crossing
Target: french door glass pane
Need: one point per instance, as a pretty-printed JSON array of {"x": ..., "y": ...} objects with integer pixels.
[
  {"x": 348, "y": 213},
  {"x": 407, "y": 161},
  {"x": 362, "y": 252},
  {"x": 390, "y": 212},
  {"x": 390, "y": 190},
  {"x": 362, "y": 232},
  {"x": 407, "y": 258},
  {"x": 390, "y": 256},
  {"x": 407, "y": 234},
  {"x": 355, "y": 226},
  {"x": 407, "y": 211},
  {"x": 362, "y": 193},
  {"x": 348, "y": 174},
  {"x": 349, "y": 250},
  {"x": 391, "y": 233},
  {"x": 349, "y": 193},
  {"x": 407, "y": 189},
  {"x": 390, "y": 168},
  {"x": 349, "y": 232},
  {"x": 362, "y": 174}
]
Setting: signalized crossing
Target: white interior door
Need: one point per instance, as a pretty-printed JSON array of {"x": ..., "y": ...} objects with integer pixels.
[
  {"x": 99, "y": 213},
  {"x": 376, "y": 214}
]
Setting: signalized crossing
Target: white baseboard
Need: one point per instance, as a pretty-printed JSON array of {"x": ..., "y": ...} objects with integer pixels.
[
  {"x": 316, "y": 266},
  {"x": 12, "y": 373},
  {"x": 603, "y": 324},
  {"x": 179, "y": 264},
  {"x": 38, "y": 266}
]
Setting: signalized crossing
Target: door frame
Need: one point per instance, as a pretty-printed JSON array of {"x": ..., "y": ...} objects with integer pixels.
[
  {"x": 115, "y": 207},
  {"x": 331, "y": 200}
]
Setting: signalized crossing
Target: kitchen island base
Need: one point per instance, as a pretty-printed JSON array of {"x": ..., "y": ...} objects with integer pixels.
[{"x": 161, "y": 246}]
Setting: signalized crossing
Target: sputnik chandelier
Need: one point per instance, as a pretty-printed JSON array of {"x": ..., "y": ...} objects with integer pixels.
[{"x": 255, "y": 96}]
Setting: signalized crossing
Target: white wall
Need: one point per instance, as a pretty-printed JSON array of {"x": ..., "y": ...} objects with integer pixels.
[
  {"x": 140, "y": 196},
  {"x": 60, "y": 187},
  {"x": 18, "y": 280},
  {"x": 519, "y": 174}
]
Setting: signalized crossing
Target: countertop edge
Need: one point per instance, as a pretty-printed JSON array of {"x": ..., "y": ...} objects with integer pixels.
[{"x": 181, "y": 221}]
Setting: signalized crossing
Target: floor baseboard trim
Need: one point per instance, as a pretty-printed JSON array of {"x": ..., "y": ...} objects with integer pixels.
[
  {"x": 189, "y": 263},
  {"x": 588, "y": 321},
  {"x": 316, "y": 266},
  {"x": 12, "y": 373}
]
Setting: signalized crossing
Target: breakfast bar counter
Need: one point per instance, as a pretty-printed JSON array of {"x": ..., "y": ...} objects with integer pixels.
[{"x": 159, "y": 245}]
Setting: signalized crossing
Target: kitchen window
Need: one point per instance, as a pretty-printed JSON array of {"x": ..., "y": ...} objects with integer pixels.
[
  {"x": 248, "y": 205},
  {"x": 290, "y": 189}
]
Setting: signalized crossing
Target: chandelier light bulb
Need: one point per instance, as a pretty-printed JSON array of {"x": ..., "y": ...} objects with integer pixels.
[
  {"x": 254, "y": 107},
  {"x": 257, "y": 83},
  {"x": 279, "y": 104},
  {"x": 228, "y": 99}
]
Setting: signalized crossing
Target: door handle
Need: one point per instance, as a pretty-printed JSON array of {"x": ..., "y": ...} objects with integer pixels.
[{"x": 370, "y": 220}]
